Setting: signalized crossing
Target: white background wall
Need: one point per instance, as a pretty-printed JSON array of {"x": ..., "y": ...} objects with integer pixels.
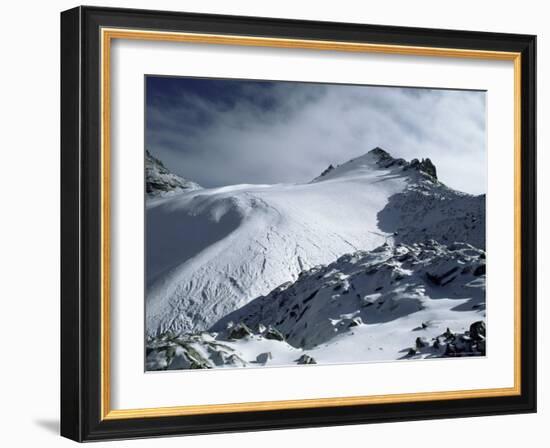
[{"x": 29, "y": 233}]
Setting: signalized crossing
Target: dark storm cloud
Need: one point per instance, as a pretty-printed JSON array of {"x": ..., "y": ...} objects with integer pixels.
[{"x": 222, "y": 132}]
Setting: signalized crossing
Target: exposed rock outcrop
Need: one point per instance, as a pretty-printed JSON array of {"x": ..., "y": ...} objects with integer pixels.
[{"x": 160, "y": 181}]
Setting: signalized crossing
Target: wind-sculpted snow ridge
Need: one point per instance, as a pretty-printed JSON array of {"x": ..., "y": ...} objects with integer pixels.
[
  {"x": 213, "y": 250},
  {"x": 394, "y": 302},
  {"x": 161, "y": 182}
]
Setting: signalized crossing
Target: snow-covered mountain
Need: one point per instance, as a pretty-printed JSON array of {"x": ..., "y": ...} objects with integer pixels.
[
  {"x": 160, "y": 182},
  {"x": 391, "y": 289},
  {"x": 394, "y": 302},
  {"x": 212, "y": 251},
  {"x": 427, "y": 210}
]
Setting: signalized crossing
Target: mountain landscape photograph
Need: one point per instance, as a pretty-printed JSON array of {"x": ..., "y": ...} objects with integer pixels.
[{"x": 295, "y": 223}]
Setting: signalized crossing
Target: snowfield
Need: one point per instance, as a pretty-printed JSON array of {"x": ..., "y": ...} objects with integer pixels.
[{"x": 373, "y": 260}]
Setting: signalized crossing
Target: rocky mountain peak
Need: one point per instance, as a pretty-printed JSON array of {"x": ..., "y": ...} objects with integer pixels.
[
  {"x": 381, "y": 154},
  {"x": 383, "y": 159},
  {"x": 327, "y": 170},
  {"x": 386, "y": 160},
  {"x": 160, "y": 181},
  {"x": 425, "y": 165}
]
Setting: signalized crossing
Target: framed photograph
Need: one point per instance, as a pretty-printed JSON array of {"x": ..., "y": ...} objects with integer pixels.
[{"x": 273, "y": 223}]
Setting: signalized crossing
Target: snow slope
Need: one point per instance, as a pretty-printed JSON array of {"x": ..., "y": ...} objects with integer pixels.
[
  {"x": 211, "y": 251},
  {"x": 395, "y": 302},
  {"x": 427, "y": 210}
]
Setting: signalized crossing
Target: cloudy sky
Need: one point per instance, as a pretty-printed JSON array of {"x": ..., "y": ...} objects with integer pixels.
[{"x": 221, "y": 132}]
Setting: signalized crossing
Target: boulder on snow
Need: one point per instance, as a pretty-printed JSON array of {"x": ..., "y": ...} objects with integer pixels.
[
  {"x": 159, "y": 358},
  {"x": 448, "y": 335},
  {"x": 240, "y": 331},
  {"x": 273, "y": 333},
  {"x": 469, "y": 343},
  {"x": 477, "y": 330},
  {"x": 421, "y": 343},
  {"x": 262, "y": 358},
  {"x": 306, "y": 359},
  {"x": 355, "y": 322},
  {"x": 235, "y": 360}
]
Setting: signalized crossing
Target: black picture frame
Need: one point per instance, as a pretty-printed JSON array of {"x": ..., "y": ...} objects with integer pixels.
[{"x": 81, "y": 381}]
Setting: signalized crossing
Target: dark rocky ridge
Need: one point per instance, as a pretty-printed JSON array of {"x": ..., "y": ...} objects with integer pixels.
[
  {"x": 386, "y": 160},
  {"x": 159, "y": 180}
]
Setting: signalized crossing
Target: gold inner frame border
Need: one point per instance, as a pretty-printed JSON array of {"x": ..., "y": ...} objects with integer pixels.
[{"x": 107, "y": 35}]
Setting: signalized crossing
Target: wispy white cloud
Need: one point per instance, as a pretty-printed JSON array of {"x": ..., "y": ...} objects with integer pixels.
[{"x": 290, "y": 132}]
